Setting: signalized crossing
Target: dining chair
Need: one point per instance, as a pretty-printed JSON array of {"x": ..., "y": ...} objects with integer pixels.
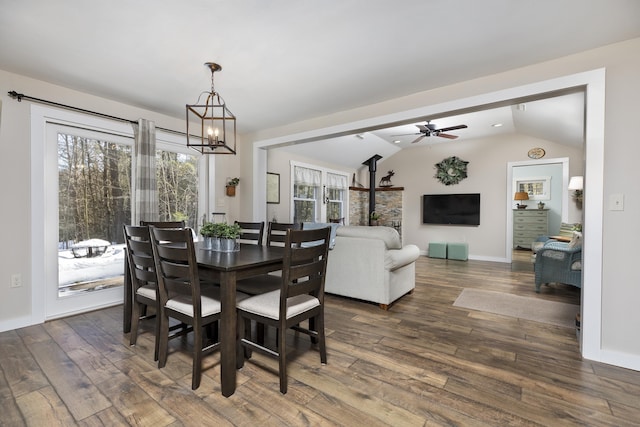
[
  {"x": 251, "y": 232},
  {"x": 276, "y": 236},
  {"x": 164, "y": 224},
  {"x": 144, "y": 281},
  {"x": 277, "y": 232},
  {"x": 181, "y": 295},
  {"x": 300, "y": 297}
]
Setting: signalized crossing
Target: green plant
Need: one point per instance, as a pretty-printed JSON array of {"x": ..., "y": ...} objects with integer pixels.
[
  {"x": 374, "y": 216},
  {"x": 221, "y": 230},
  {"x": 233, "y": 182},
  {"x": 207, "y": 229}
]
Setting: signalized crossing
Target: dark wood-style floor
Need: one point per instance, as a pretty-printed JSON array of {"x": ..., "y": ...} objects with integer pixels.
[{"x": 422, "y": 363}]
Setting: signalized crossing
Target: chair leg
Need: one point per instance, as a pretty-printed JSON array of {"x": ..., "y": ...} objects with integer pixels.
[
  {"x": 282, "y": 360},
  {"x": 321, "y": 338},
  {"x": 157, "y": 337},
  {"x": 197, "y": 356},
  {"x": 260, "y": 333},
  {"x": 135, "y": 321},
  {"x": 163, "y": 346},
  {"x": 240, "y": 349}
]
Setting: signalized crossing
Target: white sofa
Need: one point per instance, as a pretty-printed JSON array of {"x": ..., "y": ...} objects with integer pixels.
[{"x": 370, "y": 263}]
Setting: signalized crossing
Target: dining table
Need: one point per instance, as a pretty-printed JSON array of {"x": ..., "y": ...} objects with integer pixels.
[{"x": 225, "y": 268}]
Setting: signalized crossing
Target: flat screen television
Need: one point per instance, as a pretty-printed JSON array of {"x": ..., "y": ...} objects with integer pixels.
[{"x": 454, "y": 209}]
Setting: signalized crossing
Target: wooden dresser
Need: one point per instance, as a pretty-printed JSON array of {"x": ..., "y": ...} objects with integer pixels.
[{"x": 528, "y": 225}]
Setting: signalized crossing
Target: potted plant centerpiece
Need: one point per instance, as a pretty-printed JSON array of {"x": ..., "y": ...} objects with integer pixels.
[
  {"x": 231, "y": 186},
  {"x": 220, "y": 236},
  {"x": 373, "y": 218}
]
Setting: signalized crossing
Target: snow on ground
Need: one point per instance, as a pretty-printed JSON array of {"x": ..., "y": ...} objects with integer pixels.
[{"x": 77, "y": 270}]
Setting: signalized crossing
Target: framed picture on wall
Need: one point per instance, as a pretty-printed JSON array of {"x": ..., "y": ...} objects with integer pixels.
[
  {"x": 273, "y": 187},
  {"x": 538, "y": 188}
]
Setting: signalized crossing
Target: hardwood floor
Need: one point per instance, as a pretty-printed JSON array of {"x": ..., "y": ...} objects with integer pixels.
[{"x": 422, "y": 363}]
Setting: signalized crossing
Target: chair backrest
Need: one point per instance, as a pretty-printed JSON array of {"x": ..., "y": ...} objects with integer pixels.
[
  {"x": 164, "y": 224},
  {"x": 176, "y": 264},
  {"x": 140, "y": 256},
  {"x": 304, "y": 265},
  {"x": 277, "y": 232},
  {"x": 251, "y": 232}
]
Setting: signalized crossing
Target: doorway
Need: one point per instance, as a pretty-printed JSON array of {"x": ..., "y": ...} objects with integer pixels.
[{"x": 593, "y": 84}]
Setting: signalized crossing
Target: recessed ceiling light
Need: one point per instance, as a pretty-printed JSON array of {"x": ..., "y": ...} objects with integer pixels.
[
  {"x": 396, "y": 141},
  {"x": 497, "y": 125}
]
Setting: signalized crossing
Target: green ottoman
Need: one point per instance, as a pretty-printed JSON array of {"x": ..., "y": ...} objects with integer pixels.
[
  {"x": 459, "y": 251},
  {"x": 437, "y": 250}
]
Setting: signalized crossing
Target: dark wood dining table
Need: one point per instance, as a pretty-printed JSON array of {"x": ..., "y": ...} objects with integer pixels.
[{"x": 226, "y": 269}]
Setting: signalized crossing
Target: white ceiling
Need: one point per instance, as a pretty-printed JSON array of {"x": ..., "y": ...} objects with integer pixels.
[{"x": 290, "y": 60}]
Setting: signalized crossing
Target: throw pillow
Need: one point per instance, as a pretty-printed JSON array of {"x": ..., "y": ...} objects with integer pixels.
[{"x": 576, "y": 240}]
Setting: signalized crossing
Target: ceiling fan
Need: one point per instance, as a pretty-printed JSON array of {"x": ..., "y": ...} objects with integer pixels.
[{"x": 430, "y": 130}]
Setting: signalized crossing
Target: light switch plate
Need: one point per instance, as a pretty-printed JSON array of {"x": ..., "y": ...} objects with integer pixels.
[{"x": 616, "y": 202}]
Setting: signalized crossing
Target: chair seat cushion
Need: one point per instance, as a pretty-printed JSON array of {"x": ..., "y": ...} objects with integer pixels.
[
  {"x": 268, "y": 305},
  {"x": 209, "y": 300},
  {"x": 147, "y": 291}
]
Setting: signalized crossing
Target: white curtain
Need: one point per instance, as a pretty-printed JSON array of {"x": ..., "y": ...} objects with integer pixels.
[
  {"x": 337, "y": 181},
  {"x": 145, "y": 197},
  {"x": 306, "y": 176}
]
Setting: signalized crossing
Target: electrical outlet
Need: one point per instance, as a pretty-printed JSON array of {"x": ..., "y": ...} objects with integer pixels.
[
  {"x": 616, "y": 202},
  {"x": 16, "y": 280}
]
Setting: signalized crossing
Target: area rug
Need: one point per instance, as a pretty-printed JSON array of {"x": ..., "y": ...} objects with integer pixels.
[{"x": 537, "y": 310}]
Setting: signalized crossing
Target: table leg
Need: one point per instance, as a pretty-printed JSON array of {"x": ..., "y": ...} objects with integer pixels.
[{"x": 228, "y": 333}]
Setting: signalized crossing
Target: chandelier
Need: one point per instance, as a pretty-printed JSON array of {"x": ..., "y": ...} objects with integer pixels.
[{"x": 214, "y": 131}]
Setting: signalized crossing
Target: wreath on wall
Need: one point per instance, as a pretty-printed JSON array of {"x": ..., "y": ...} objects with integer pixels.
[{"x": 451, "y": 170}]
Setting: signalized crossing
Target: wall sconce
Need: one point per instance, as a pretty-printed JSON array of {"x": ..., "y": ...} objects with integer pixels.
[
  {"x": 576, "y": 184},
  {"x": 216, "y": 129},
  {"x": 519, "y": 196}
]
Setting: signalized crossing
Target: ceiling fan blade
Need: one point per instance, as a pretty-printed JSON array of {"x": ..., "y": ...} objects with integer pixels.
[
  {"x": 406, "y": 134},
  {"x": 418, "y": 139},
  {"x": 452, "y": 128},
  {"x": 448, "y": 136}
]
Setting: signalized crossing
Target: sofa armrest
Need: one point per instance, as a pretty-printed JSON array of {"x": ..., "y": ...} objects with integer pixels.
[{"x": 396, "y": 258}]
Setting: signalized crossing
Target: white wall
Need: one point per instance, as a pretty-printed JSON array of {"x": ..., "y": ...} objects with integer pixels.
[{"x": 487, "y": 175}]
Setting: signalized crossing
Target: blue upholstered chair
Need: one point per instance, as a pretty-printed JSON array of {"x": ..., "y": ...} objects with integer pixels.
[{"x": 559, "y": 262}]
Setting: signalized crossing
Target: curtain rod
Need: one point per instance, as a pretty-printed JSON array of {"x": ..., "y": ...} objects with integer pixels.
[{"x": 19, "y": 96}]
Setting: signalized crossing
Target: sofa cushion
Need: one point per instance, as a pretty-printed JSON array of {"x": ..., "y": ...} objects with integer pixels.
[
  {"x": 317, "y": 225},
  {"x": 388, "y": 235}
]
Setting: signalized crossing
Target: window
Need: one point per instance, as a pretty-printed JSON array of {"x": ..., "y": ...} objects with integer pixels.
[
  {"x": 538, "y": 188},
  {"x": 306, "y": 192},
  {"x": 177, "y": 177},
  {"x": 94, "y": 202},
  {"x": 319, "y": 195},
  {"x": 335, "y": 195}
]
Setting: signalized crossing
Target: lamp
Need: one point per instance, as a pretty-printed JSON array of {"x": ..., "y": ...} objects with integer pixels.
[
  {"x": 576, "y": 183},
  {"x": 519, "y": 196},
  {"x": 215, "y": 132}
]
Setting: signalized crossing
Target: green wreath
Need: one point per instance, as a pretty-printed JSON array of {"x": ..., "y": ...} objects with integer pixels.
[{"x": 451, "y": 170}]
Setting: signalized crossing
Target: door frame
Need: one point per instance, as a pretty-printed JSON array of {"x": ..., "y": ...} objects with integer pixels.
[
  {"x": 593, "y": 82},
  {"x": 564, "y": 161}
]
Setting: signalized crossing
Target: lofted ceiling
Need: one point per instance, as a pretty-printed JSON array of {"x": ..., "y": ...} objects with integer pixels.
[
  {"x": 558, "y": 119},
  {"x": 286, "y": 61}
]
